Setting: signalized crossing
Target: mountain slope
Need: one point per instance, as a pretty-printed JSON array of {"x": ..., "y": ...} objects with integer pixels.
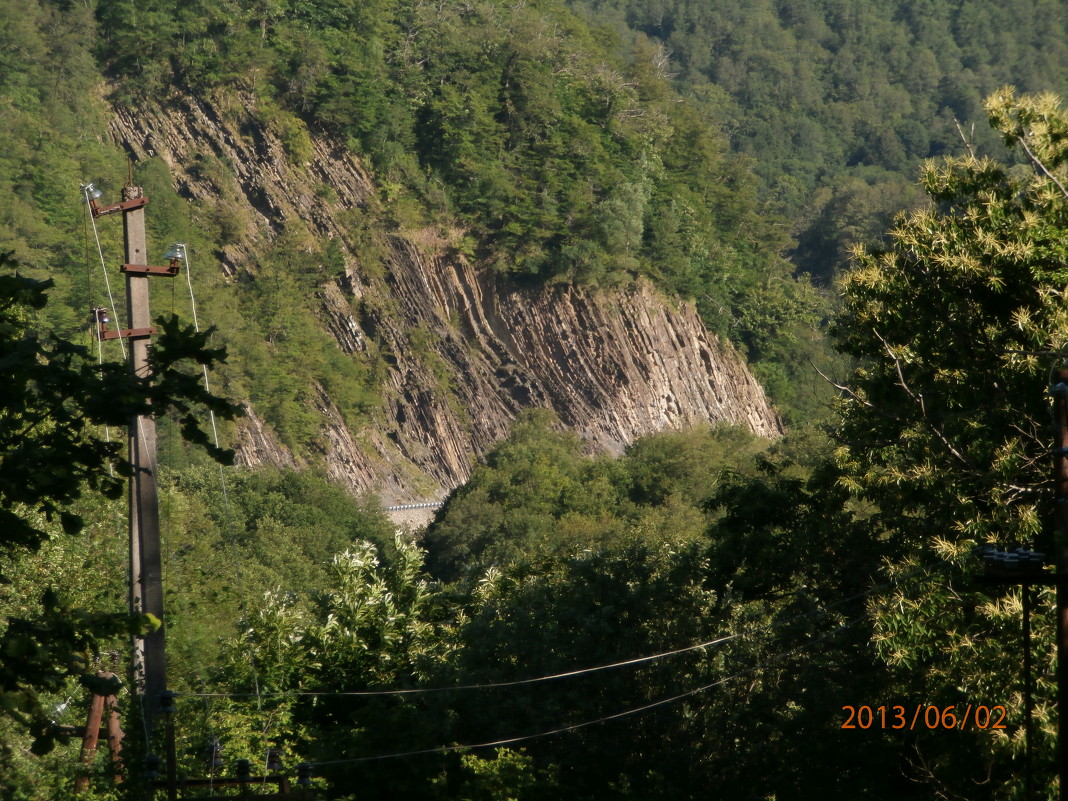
[
  {"x": 839, "y": 101},
  {"x": 462, "y": 351}
]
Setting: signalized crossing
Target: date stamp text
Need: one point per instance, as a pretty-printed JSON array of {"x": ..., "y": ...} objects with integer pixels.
[{"x": 921, "y": 716}]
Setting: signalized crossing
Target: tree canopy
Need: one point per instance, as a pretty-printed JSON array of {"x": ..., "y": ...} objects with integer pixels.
[
  {"x": 945, "y": 427},
  {"x": 837, "y": 101},
  {"x": 57, "y": 399}
]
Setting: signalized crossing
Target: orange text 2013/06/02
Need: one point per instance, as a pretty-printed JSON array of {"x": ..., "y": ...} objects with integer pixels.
[{"x": 922, "y": 716}]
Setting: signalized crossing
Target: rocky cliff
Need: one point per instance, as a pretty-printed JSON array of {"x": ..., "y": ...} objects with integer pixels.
[{"x": 614, "y": 365}]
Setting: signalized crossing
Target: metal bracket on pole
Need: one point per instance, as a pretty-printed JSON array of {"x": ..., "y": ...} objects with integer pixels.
[
  {"x": 126, "y": 333},
  {"x": 170, "y": 271},
  {"x": 125, "y": 205}
]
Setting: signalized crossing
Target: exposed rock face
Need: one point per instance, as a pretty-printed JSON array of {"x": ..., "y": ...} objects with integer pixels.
[
  {"x": 614, "y": 365},
  {"x": 257, "y": 444}
]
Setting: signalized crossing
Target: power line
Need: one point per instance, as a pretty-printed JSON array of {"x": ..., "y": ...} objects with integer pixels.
[
  {"x": 487, "y": 686},
  {"x": 183, "y": 250},
  {"x": 508, "y": 741},
  {"x": 555, "y": 676},
  {"x": 603, "y": 719}
]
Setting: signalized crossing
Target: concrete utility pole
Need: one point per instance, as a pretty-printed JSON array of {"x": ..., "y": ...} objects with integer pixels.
[{"x": 146, "y": 576}]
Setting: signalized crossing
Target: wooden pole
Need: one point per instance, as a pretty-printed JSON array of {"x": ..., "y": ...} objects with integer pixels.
[
  {"x": 146, "y": 579},
  {"x": 99, "y": 706},
  {"x": 1029, "y": 706},
  {"x": 89, "y": 741},
  {"x": 115, "y": 736},
  {"x": 172, "y": 763}
]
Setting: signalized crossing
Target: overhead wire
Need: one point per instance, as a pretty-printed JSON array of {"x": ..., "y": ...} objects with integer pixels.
[
  {"x": 492, "y": 685},
  {"x": 485, "y": 686},
  {"x": 100, "y": 362},
  {"x": 584, "y": 724},
  {"x": 196, "y": 327},
  {"x": 183, "y": 254},
  {"x": 87, "y": 215},
  {"x": 140, "y": 427},
  {"x": 500, "y": 742},
  {"x": 633, "y": 710},
  {"x": 561, "y": 675},
  {"x": 104, "y": 268},
  {"x": 242, "y": 601},
  {"x": 88, "y": 266}
]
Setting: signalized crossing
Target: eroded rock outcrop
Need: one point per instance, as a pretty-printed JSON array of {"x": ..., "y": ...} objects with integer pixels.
[{"x": 614, "y": 365}]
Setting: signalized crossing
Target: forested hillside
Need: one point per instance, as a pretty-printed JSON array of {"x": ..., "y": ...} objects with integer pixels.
[
  {"x": 563, "y": 153},
  {"x": 364, "y": 185},
  {"x": 837, "y": 101}
]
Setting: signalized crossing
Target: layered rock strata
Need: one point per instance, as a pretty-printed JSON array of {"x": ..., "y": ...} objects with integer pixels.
[{"x": 614, "y": 365}]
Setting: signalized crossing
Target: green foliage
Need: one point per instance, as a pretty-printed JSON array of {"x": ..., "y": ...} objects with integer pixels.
[
  {"x": 256, "y": 532},
  {"x": 42, "y": 653},
  {"x": 592, "y": 561},
  {"x": 56, "y": 399},
  {"x": 52, "y": 115},
  {"x": 51, "y": 449},
  {"x": 506, "y": 776},
  {"x": 782, "y": 564},
  {"x": 47, "y": 440},
  {"x": 957, "y": 324},
  {"x": 181, "y": 393},
  {"x": 667, "y": 548},
  {"x": 962, "y": 307},
  {"x": 739, "y": 716},
  {"x": 287, "y": 356},
  {"x": 564, "y": 154},
  {"x": 561, "y": 142},
  {"x": 86, "y": 574},
  {"x": 537, "y": 493},
  {"x": 836, "y": 102},
  {"x": 375, "y": 623},
  {"x": 249, "y": 593},
  {"x": 289, "y": 128}
]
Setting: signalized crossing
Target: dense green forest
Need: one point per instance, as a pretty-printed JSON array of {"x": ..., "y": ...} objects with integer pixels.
[
  {"x": 688, "y": 620},
  {"x": 837, "y": 101}
]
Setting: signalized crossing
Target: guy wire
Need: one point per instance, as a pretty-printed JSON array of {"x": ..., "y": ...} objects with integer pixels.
[
  {"x": 222, "y": 483},
  {"x": 95, "y": 323},
  {"x": 104, "y": 268}
]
